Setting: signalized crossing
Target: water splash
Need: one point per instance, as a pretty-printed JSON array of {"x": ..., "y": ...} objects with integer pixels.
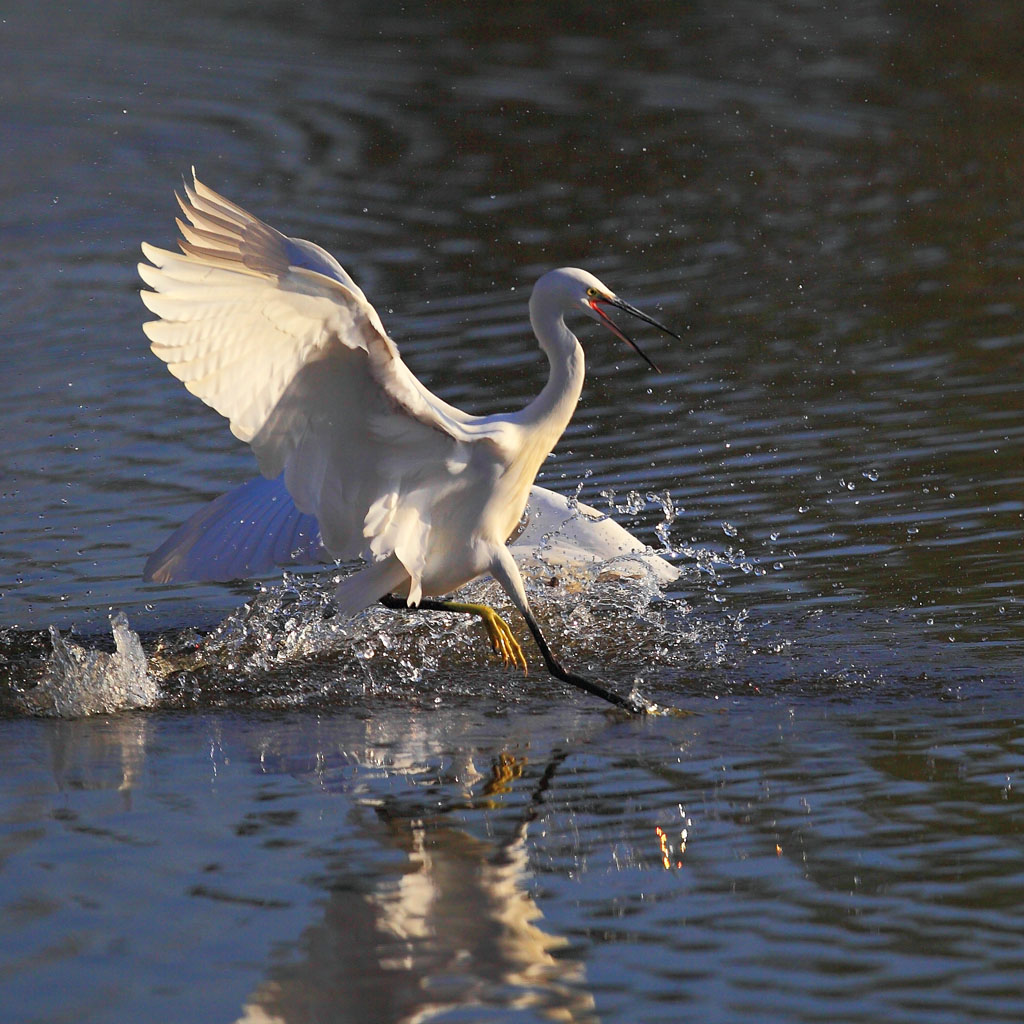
[
  {"x": 76, "y": 681},
  {"x": 714, "y": 562},
  {"x": 597, "y": 591}
]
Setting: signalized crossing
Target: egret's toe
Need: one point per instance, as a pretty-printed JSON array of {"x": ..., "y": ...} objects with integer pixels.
[{"x": 504, "y": 644}]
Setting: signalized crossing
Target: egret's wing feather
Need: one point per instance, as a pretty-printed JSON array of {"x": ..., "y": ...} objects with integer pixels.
[
  {"x": 572, "y": 536},
  {"x": 246, "y": 532},
  {"x": 273, "y": 334}
]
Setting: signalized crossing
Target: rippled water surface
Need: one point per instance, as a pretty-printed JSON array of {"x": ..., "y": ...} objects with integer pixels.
[{"x": 233, "y": 807}]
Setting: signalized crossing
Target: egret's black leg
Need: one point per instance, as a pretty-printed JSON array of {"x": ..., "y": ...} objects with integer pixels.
[
  {"x": 427, "y": 604},
  {"x": 554, "y": 666}
]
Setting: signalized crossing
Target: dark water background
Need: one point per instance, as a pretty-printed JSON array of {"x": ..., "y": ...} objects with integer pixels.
[{"x": 303, "y": 825}]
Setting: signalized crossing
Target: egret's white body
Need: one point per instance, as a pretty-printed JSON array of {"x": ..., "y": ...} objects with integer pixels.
[{"x": 274, "y": 334}]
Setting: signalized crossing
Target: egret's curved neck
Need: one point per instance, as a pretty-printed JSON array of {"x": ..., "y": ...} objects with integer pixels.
[
  {"x": 542, "y": 422},
  {"x": 552, "y": 409}
]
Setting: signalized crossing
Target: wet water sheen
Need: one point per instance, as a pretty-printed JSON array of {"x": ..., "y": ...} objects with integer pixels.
[
  {"x": 853, "y": 861},
  {"x": 237, "y": 808}
]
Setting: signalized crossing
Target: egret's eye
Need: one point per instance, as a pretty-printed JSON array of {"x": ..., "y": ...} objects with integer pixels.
[{"x": 592, "y": 292}]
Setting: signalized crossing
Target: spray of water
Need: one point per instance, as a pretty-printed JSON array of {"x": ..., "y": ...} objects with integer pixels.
[{"x": 285, "y": 647}]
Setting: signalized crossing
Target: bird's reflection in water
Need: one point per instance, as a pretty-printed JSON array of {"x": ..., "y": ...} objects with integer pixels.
[
  {"x": 411, "y": 828},
  {"x": 456, "y": 929}
]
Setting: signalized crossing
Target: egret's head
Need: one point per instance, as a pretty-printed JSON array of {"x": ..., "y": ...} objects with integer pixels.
[{"x": 576, "y": 289}]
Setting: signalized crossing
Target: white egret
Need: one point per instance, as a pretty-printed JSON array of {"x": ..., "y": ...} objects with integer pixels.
[{"x": 358, "y": 457}]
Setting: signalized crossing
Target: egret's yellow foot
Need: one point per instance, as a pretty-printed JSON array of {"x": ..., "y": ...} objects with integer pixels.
[{"x": 503, "y": 643}]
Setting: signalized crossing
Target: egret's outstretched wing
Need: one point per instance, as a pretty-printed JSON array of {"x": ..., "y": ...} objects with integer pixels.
[
  {"x": 246, "y": 532},
  {"x": 273, "y": 334}
]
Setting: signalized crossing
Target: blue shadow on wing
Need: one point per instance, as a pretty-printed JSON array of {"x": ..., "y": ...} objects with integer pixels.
[{"x": 243, "y": 533}]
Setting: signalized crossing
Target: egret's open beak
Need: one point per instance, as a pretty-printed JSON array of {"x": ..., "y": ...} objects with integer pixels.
[{"x": 595, "y": 305}]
